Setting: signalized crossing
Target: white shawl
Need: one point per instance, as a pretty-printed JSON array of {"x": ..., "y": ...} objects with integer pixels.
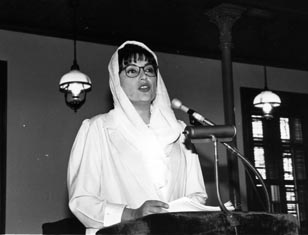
[{"x": 155, "y": 142}]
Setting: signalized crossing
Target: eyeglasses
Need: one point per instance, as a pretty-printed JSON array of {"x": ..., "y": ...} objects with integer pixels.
[{"x": 132, "y": 70}]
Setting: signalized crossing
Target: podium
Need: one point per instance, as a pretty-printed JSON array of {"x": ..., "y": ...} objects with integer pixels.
[{"x": 210, "y": 223}]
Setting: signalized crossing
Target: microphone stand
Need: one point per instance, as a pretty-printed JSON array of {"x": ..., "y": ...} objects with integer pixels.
[
  {"x": 234, "y": 150},
  {"x": 230, "y": 218}
]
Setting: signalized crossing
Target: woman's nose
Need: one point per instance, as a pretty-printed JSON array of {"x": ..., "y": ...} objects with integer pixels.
[{"x": 142, "y": 74}]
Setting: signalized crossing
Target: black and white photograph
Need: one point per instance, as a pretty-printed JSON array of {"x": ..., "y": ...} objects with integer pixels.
[{"x": 154, "y": 117}]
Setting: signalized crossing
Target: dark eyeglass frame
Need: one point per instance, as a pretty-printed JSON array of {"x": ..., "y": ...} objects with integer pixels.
[{"x": 139, "y": 69}]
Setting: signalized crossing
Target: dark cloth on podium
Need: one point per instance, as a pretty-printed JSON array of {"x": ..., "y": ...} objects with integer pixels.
[
  {"x": 209, "y": 223},
  {"x": 64, "y": 226}
]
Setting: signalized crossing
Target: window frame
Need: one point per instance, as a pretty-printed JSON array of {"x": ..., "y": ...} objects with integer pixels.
[{"x": 290, "y": 108}]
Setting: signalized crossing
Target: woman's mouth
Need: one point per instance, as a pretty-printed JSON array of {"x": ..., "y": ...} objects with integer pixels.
[{"x": 144, "y": 88}]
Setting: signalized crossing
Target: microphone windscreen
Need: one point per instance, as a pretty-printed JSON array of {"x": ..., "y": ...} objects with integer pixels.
[{"x": 176, "y": 104}]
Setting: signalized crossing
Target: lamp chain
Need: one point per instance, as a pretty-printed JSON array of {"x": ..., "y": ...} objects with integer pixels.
[
  {"x": 75, "y": 4},
  {"x": 265, "y": 79}
]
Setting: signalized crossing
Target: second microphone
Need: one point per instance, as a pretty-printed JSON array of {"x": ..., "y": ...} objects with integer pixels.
[{"x": 206, "y": 132}]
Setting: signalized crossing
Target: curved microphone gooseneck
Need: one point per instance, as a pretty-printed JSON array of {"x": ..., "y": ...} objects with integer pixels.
[{"x": 177, "y": 104}]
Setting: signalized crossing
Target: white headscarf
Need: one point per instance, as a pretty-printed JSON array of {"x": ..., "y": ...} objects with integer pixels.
[{"x": 155, "y": 142}]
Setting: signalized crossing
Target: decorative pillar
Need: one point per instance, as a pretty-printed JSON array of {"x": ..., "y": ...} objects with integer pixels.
[{"x": 224, "y": 16}]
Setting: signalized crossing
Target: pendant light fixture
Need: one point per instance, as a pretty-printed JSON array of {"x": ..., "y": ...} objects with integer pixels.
[
  {"x": 267, "y": 99},
  {"x": 75, "y": 84}
]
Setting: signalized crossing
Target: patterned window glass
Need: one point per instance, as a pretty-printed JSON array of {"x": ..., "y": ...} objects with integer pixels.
[
  {"x": 300, "y": 163},
  {"x": 298, "y": 131},
  {"x": 259, "y": 160},
  {"x": 292, "y": 209},
  {"x": 275, "y": 192},
  {"x": 291, "y": 200},
  {"x": 290, "y": 193},
  {"x": 284, "y": 129},
  {"x": 287, "y": 166},
  {"x": 257, "y": 127}
]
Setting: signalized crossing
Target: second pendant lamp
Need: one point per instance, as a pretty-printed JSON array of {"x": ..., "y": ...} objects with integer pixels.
[{"x": 266, "y": 100}]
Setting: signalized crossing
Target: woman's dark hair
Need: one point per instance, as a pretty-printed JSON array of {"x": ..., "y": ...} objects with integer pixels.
[{"x": 131, "y": 52}]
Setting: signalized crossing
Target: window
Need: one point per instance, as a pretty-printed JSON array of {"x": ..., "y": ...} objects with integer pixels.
[{"x": 278, "y": 148}]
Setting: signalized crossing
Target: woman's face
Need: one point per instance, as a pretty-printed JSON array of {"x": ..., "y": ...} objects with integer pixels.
[{"x": 141, "y": 88}]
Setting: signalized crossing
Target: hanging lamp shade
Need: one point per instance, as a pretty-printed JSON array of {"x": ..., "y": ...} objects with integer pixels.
[
  {"x": 75, "y": 84},
  {"x": 266, "y": 100}
]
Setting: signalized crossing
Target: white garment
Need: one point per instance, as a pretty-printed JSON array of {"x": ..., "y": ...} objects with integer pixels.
[{"x": 118, "y": 161}]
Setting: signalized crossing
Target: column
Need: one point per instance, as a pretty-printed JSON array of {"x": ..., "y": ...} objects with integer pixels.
[{"x": 224, "y": 16}]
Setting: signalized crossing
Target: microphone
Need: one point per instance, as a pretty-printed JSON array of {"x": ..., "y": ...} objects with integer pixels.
[
  {"x": 202, "y": 132},
  {"x": 205, "y": 132},
  {"x": 177, "y": 104}
]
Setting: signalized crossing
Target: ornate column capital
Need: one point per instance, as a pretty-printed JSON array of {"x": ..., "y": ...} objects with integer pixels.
[{"x": 224, "y": 16}]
